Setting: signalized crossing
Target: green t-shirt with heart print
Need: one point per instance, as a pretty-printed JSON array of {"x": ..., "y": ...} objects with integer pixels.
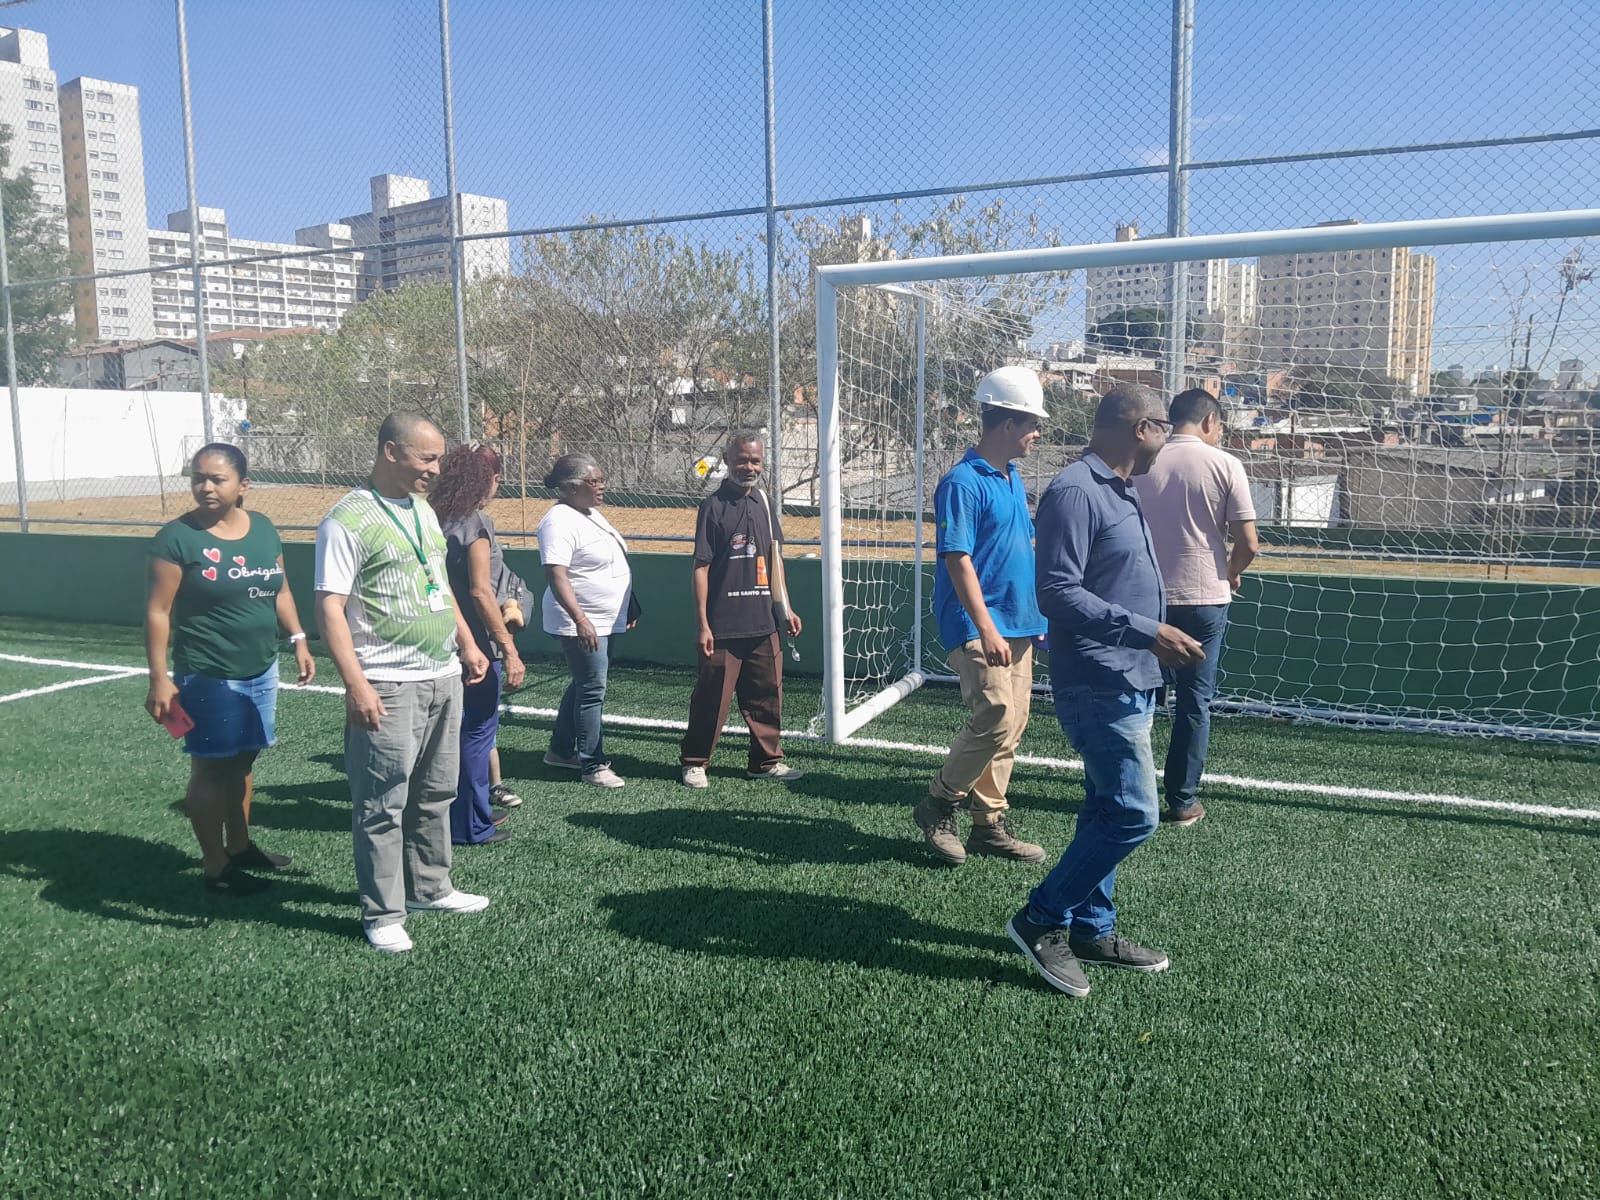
[{"x": 225, "y": 616}]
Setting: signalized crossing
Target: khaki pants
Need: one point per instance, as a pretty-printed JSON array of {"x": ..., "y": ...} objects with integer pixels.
[{"x": 978, "y": 767}]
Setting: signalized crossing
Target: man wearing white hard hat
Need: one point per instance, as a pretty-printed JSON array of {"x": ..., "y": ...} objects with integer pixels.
[{"x": 984, "y": 598}]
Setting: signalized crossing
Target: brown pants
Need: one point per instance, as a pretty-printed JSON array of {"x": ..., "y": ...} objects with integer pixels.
[
  {"x": 752, "y": 668},
  {"x": 998, "y": 701}
]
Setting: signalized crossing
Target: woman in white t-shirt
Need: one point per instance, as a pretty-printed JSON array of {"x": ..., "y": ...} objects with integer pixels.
[{"x": 586, "y": 604}]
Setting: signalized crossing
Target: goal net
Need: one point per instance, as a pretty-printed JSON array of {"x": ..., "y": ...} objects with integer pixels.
[{"x": 1415, "y": 405}]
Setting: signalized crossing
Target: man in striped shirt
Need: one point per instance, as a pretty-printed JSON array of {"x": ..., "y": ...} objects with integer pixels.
[{"x": 401, "y": 645}]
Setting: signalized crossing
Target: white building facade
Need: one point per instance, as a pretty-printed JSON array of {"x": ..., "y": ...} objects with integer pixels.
[
  {"x": 104, "y": 150},
  {"x": 302, "y": 291}
]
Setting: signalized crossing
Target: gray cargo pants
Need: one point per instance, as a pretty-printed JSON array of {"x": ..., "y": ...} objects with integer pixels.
[{"x": 402, "y": 782}]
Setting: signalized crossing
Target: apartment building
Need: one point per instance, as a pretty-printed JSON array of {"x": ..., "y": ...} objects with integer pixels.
[
  {"x": 1369, "y": 311},
  {"x": 103, "y": 148},
  {"x": 302, "y": 291},
  {"x": 404, "y": 212},
  {"x": 29, "y": 112},
  {"x": 1222, "y": 296}
]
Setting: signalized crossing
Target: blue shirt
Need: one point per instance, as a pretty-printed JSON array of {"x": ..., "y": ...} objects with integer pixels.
[
  {"x": 1099, "y": 583},
  {"x": 983, "y": 513}
]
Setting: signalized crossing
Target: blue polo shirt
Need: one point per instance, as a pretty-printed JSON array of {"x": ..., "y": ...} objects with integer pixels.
[
  {"x": 1099, "y": 583},
  {"x": 983, "y": 513}
]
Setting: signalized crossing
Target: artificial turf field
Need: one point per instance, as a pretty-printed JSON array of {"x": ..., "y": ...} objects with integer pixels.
[{"x": 767, "y": 991}]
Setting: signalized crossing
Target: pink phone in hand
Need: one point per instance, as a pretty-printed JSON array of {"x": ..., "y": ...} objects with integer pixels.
[{"x": 177, "y": 722}]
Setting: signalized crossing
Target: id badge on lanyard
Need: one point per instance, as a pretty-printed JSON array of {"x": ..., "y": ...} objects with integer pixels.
[{"x": 434, "y": 594}]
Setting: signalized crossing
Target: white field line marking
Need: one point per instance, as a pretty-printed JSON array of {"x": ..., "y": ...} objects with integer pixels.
[
  {"x": 1032, "y": 760},
  {"x": 119, "y": 674}
]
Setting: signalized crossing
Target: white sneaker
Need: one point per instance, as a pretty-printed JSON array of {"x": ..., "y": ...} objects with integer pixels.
[
  {"x": 694, "y": 777},
  {"x": 391, "y": 938},
  {"x": 604, "y": 777},
  {"x": 552, "y": 759},
  {"x": 778, "y": 773},
  {"x": 456, "y": 902}
]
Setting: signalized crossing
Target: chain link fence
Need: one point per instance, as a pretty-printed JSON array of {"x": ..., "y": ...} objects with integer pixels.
[{"x": 642, "y": 192}]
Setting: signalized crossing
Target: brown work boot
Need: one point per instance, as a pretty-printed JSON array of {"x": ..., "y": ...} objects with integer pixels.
[
  {"x": 995, "y": 838},
  {"x": 937, "y": 820}
]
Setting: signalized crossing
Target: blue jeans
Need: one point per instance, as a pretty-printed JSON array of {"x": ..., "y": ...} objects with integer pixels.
[
  {"x": 1111, "y": 730},
  {"x": 1193, "y": 688},
  {"x": 471, "y": 814},
  {"x": 578, "y": 730}
]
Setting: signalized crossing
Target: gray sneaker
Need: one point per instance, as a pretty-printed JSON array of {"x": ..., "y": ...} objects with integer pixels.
[
  {"x": 937, "y": 820},
  {"x": 777, "y": 772},
  {"x": 1048, "y": 951},
  {"x": 552, "y": 759},
  {"x": 1114, "y": 950}
]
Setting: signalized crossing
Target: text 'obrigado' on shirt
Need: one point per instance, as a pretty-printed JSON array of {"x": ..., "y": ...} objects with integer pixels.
[
  {"x": 400, "y": 612},
  {"x": 982, "y": 512}
]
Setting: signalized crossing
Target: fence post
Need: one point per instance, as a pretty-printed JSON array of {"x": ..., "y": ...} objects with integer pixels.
[
  {"x": 194, "y": 231},
  {"x": 774, "y": 362},
  {"x": 1177, "y": 338},
  {"x": 454, "y": 195},
  {"x": 11, "y": 370}
]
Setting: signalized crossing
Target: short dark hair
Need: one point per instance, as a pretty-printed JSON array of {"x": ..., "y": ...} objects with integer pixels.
[
  {"x": 993, "y": 416},
  {"x": 234, "y": 455},
  {"x": 399, "y": 427},
  {"x": 1192, "y": 407},
  {"x": 1126, "y": 404}
]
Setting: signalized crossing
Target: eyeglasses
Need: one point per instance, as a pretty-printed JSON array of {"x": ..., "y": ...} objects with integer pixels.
[{"x": 1165, "y": 425}]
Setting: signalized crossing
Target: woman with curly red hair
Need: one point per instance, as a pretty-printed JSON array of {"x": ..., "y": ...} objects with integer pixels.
[{"x": 469, "y": 477}]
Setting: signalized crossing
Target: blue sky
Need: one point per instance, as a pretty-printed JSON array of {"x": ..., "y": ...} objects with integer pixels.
[{"x": 624, "y": 108}]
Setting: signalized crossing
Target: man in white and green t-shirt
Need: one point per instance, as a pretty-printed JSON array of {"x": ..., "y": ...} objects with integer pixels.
[{"x": 386, "y": 614}]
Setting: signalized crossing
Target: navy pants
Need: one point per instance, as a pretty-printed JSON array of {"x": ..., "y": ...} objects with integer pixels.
[{"x": 470, "y": 818}]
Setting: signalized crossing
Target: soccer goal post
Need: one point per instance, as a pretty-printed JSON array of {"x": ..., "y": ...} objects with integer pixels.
[{"x": 1410, "y": 402}]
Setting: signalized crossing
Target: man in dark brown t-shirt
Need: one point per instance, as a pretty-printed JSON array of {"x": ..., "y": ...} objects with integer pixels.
[{"x": 740, "y": 602}]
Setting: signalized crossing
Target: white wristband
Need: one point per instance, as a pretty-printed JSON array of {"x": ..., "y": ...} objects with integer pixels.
[{"x": 296, "y": 637}]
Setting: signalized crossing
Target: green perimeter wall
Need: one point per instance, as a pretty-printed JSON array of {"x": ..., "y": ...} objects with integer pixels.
[{"x": 1476, "y": 647}]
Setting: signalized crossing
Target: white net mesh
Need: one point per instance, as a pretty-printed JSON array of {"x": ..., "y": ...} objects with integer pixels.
[{"x": 1419, "y": 431}]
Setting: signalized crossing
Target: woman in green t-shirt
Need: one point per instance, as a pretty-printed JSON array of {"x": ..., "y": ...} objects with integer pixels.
[{"x": 218, "y": 595}]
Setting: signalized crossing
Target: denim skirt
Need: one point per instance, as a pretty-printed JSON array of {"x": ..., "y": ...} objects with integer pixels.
[{"x": 231, "y": 716}]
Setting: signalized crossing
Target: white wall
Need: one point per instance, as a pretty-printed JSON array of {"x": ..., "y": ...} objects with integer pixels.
[{"x": 89, "y": 433}]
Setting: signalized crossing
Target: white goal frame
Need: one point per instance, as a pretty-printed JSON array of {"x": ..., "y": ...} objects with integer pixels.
[{"x": 841, "y": 722}]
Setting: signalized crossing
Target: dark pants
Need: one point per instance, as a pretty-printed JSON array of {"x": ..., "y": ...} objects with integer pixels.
[
  {"x": 471, "y": 821},
  {"x": 578, "y": 731},
  {"x": 1193, "y": 687},
  {"x": 752, "y": 669}
]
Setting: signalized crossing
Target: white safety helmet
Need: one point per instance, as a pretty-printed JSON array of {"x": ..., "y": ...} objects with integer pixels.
[{"x": 1015, "y": 388}]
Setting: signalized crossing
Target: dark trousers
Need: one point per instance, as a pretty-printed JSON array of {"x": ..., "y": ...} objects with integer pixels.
[
  {"x": 752, "y": 669},
  {"x": 471, "y": 820},
  {"x": 1194, "y": 688}
]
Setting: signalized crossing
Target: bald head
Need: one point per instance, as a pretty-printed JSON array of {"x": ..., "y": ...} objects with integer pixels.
[
  {"x": 1126, "y": 404},
  {"x": 402, "y": 428}
]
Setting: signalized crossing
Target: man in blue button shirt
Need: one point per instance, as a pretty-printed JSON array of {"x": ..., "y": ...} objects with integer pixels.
[
  {"x": 1101, "y": 591},
  {"x": 983, "y": 595}
]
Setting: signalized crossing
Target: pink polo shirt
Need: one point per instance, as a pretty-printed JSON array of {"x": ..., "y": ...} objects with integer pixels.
[{"x": 1190, "y": 495}]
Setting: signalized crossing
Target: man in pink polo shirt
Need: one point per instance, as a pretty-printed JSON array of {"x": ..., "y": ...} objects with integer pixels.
[{"x": 1196, "y": 498}]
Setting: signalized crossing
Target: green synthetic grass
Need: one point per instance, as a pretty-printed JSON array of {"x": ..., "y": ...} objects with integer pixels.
[{"x": 760, "y": 991}]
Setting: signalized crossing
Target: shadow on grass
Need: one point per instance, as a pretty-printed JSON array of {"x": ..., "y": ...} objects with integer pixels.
[
  {"x": 315, "y": 807},
  {"x": 740, "y": 923},
  {"x": 765, "y": 838},
  {"x": 123, "y": 878},
  {"x": 1490, "y": 818}
]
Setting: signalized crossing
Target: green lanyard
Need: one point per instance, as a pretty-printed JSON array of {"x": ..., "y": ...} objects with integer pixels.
[{"x": 416, "y": 546}]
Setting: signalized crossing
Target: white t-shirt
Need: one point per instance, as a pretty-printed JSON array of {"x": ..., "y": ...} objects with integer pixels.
[{"x": 596, "y": 560}]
